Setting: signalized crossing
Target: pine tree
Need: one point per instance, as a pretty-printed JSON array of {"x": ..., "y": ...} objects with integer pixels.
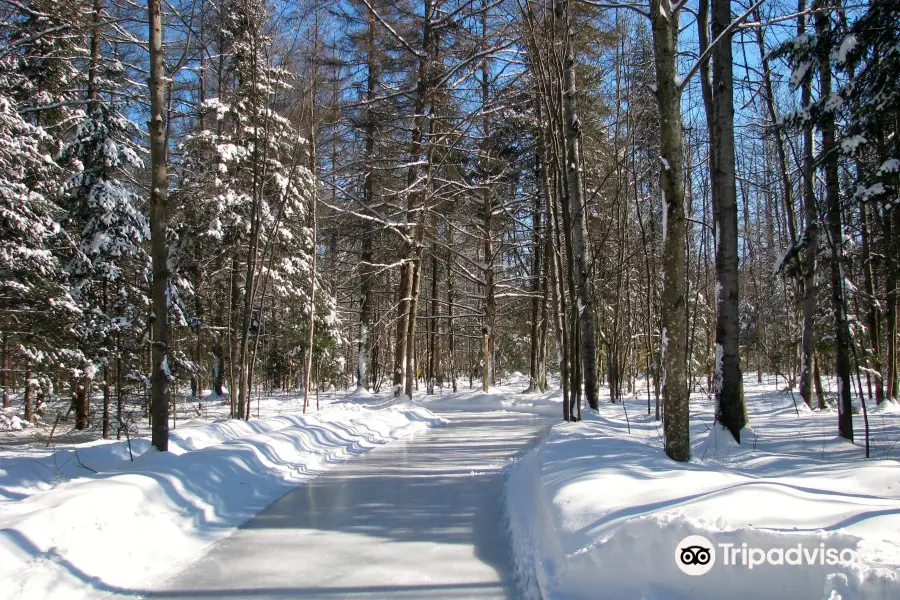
[
  {"x": 868, "y": 53},
  {"x": 33, "y": 299},
  {"x": 245, "y": 180}
]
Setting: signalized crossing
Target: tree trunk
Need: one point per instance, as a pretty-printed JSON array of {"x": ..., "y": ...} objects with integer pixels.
[
  {"x": 811, "y": 243},
  {"x": 486, "y": 167},
  {"x": 873, "y": 312},
  {"x": 106, "y": 398},
  {"x": 783, "y": 170},
  {"x": 583, "y": 284},
  {"x": 404, "y": 293},
  {"x": 836, "y": 237},
  {"x": 249, "y": 293},
  {"x": 487, "y": 332},
  {"x": 218, "y": 367},
  {"x": 451, "y": 342},
  {"x": 892, "y": 247},
  {"x": 159, "y": 390},
  {"x": 535, "y": 379},
  {"x": 4, "y": 370},
  {"x": 364, "y": 350},
  {"x": 433, "y": 350},
  {"x": 28, "y": 392},
  {"x": 730, "y": 410},
  {"x": 817, "y": 379},
  {"x": 674, "y": 384},
  {"x": 233, "y": 340},
  {"x": 412, "y": 321},
  {"x": 402, "y": 351},
  {"x": 311, "y": 329}
]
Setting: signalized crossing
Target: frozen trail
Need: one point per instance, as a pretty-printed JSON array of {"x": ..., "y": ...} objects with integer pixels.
[{"x": 418, "y": 518}]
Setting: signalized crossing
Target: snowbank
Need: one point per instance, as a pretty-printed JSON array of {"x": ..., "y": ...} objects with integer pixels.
[
  {"x": 508, "y": 397},
  {"x": 134, "y": 521},
  {"x": 596, "y": 511}
]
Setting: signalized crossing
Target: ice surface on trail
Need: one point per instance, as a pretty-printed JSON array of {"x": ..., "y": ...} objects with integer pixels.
[{"x": 133, "y": 521}]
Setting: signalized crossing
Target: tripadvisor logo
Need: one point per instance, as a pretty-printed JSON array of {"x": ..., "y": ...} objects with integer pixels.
[{"x": 696, "y": 555}]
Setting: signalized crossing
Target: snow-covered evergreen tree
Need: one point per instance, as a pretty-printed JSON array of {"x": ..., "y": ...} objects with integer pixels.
[
  {"x": 33, "y": 298},
  {"x": 108, "y": 263},
  {"x": 245, "y": 184},
  {"x": 45, "y": 39}
]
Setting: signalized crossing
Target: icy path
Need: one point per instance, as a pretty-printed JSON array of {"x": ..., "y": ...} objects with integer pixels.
[{"x": 418, "y": 518}]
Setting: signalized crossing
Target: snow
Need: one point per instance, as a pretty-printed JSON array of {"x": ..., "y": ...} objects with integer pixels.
[
  {"x": 507, "y": 397},
  {"x": 420, "y": 518},
  {"x": 891, "y": 165},
  {"x": 592, "y": 507},
  {"x": 867, "y": 192},
  {"x": 799, "y": 73},
  {"x": 596, "y": 508},
  {"x": 779, "y": 261},
  {"x": 70, "y": 533},
  {"x": 847, "y": 46},
  {"x": 850, "y": 144},
  {"x": 833, "y": 102}
]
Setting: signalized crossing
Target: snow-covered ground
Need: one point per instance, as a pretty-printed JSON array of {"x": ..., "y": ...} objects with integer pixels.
[
  {"x": 81, "y": 520},
  {"x": 598, "y": 511}
]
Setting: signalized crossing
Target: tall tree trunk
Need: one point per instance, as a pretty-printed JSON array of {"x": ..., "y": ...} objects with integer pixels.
[
  {"x": 451, "y": 341},
  {"x": 159, "y": 380},
  {"x": 28, "y": 392},
  {"x": 433, "y": 350},
  {"x": 559, "y": 321},
  {"x": 4, "y": 371},
  {"x": 402, "y": 351},
  {"x": 892, "y": 245},
  {"x": 544, "y": 315},
  {"x": 366, "y": 274},
  {"x": 313, "y": 167},
  {"x": 487, "y": 331},
  {"x": 412, "y": 321},
  {"x": 404, "y": 293},
  {"x": 810, "y": 242},
  {"x": 730, "y": 410},
  {"x": 836, "y": 237},
  {"x": 233, "y": 339},
  {"x": 873, "y": 312},
  {"x": 817, "y": 380},
  {"x": 364, "y": 350},
  {"x": 783, "y": 169},
  {"x": 106, "y": 398},
  {"x": 218, "y": 367},
  {"x": 314, "y": 220},
  {"x": 672, "y": 304},
  {"x": 534, "y": 375},
  {"x": 249, "y": 293},
  {"x": 557, "y": 286},
  {"x": 486, "y": 167},
  {"x": 583, "y": 283}
]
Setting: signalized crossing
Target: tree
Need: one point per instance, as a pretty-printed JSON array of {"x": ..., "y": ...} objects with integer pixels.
[
  {"x": 674, "y": 378},
  {"x": 583, "y": 286},
  {"x": 105, "y": 222},
  {"x": 159, "y": 396},
  {"x": 730, "y": 410}
]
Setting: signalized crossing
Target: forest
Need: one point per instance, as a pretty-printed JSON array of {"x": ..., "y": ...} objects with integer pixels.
[{"x": 247, "y": 197}]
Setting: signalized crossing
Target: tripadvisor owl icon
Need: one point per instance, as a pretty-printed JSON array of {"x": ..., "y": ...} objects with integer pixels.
[{"x": 695, "y": 555}]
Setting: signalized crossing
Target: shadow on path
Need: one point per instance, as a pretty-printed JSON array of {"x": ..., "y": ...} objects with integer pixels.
[{"x": 419, "y": 518}]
